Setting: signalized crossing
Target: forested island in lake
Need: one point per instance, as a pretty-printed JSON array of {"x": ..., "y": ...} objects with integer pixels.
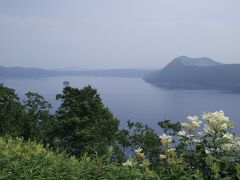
[{"x": 197, "y": 73}]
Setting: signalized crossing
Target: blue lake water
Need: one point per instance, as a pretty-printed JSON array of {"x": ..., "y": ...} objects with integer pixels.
[{"x": 132, "y": 98}]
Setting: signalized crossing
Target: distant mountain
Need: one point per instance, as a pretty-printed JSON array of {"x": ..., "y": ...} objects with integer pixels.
[
  {"x": 20, "y": 72},
  {"x": 183, "y": 61},
  {"x": 197, "y": 73}
]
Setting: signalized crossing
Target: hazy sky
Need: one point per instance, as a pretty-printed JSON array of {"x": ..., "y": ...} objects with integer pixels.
[{"x": 117, "y": 33}]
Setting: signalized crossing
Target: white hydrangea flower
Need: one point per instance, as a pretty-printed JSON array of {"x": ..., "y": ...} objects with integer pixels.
[
  {"x": 228, "y": 136},
  {"x": 194, "y": 120},
  {"x": 232, "y": 142},
  {"x": 162, "y": 156},
  {"x": 182, "y": 133},
  {"x": 224, "y": 126},
  {"x": 139, "y": 153},
  {"x": 216, "y": 121},
  {"x": 128, "y": 163},
  {"x": 165, "y": 139},
  {"x": 188, "y": 127},
  {"x": 138, "y": 150},
  {"x": 207, "y": 151},
  {"x": 207, "y": 129},
  {"x": 194, "y": 123}
]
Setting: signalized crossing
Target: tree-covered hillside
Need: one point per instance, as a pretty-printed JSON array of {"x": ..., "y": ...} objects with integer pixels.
[
  {"x": 20, "y": 72},
  {"x": 200, "y": 73}
]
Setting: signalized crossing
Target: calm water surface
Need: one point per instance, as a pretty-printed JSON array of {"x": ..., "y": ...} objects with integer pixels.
[{"x": 132, "y": 98}]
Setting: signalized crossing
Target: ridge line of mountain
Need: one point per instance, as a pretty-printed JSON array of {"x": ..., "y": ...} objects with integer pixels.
[
  {"x": 205, "y": 73},
  {"x": 21, "y": 72}
]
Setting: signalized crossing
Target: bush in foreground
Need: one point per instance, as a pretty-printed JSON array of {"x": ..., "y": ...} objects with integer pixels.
[
  {"x": 29, "y": 160},
  {"x": 203, "y": 148}
]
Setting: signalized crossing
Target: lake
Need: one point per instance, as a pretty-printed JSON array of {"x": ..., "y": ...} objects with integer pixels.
[{"x": 132, "y": 98}]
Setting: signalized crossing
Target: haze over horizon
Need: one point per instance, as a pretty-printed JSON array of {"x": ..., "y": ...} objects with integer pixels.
[{"x": 116, "y": 34}]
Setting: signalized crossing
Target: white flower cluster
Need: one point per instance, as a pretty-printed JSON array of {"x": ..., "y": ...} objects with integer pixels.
[
  {"x": 128, "y": 163},
  {"x": 162, "y": 156},
  {"x": 194, "y": 123},
  {"x": 216, "y": 121},
  {"x": 228, "y": 136},
  {"x": 166, "y": 140},
  {"x": 182, "y": 133},
  {"x": 191, "y": 137},
  {"x": 232, "y": 142},
  {"x": 139, "y": 153},
  {"x": 138, "y": 150}
]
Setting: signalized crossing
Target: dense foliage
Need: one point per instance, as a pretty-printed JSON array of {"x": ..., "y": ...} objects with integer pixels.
[
  {"x": 29, "y": 160},
  {"x": 82, "y": 140},
  {"x": 11, "y": 112},
  {"x": 83, "y": 123}
]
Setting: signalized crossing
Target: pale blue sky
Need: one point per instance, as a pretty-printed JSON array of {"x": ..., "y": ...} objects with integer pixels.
[{"x": 117, "y": 33}]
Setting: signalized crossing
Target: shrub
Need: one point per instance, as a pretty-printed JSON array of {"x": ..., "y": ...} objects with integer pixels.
[{"x": 29, "y": 160}]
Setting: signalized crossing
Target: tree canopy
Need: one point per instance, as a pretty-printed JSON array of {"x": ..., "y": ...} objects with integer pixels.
[
  {"x": 84, "y": 124},
  {"x": 11, "y": 112}
]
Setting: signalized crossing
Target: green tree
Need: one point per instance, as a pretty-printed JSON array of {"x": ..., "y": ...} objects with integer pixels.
[
  {"x": 11, "y": 112},
  {"x": 37, "y": 116},
  {"x": 84, "y": 124},
  {"x": 141, "y": 136}
]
